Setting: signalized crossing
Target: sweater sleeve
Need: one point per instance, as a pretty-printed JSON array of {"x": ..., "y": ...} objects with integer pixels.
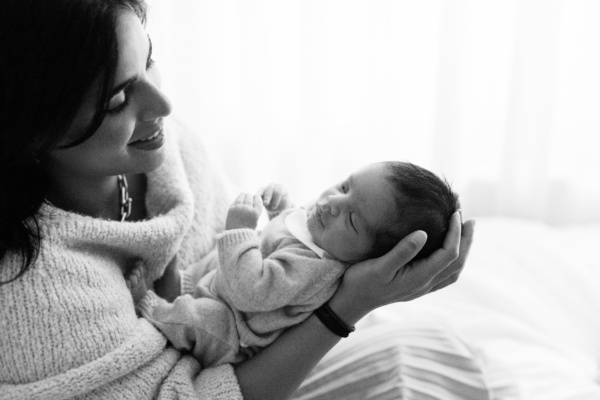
[
  {"x": 165, "y": 376},
  {"x": 252, "y": 283}
]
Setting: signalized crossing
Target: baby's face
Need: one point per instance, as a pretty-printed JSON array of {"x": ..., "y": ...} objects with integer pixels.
[{"x": 348, "y": 215}]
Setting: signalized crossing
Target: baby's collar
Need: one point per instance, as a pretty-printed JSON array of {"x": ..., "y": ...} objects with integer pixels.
[{"x": 296, "y": 224}]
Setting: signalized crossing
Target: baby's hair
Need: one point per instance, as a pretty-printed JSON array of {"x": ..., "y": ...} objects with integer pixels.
[{"x": 424, "y": 202}]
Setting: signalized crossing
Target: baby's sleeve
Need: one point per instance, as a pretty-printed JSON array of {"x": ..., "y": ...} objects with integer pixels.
[{"x": 251, "y": 283}]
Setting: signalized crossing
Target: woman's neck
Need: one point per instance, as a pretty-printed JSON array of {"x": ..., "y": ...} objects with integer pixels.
[
  {"x": 99, "y": 197},
  {"x": 137, "y": 192}
]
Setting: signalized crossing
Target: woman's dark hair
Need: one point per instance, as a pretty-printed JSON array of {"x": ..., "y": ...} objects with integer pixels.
[
  {"x": 51, "y": 52},
  {"x": 423, "y": 201}
]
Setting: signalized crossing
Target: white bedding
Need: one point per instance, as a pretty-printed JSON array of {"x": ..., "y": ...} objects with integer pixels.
[{"x": 529, "y": 303}]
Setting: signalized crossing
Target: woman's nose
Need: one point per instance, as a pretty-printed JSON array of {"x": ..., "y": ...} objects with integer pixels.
[{"x": 156, "y": 104}]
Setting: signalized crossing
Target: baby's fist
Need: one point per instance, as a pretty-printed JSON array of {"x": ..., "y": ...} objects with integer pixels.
[
  {"x": 275, "y": 198},
  {"x": 244, "y": 212}
]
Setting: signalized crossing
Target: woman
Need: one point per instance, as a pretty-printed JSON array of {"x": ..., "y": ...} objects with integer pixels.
[{"x": 94, "y": 180}]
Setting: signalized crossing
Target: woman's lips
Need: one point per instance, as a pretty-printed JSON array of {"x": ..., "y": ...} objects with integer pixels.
[
  {"x": 150, "y": 137},
  {"x": 153, "y": 129},
  {"x": 151, "y": 142}
]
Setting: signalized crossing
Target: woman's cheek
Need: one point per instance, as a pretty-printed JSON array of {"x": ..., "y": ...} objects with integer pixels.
[{"x": 120, "y": 129}]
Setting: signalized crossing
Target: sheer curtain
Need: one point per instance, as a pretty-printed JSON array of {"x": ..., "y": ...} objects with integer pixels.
[{"x": 502, "y": 97}]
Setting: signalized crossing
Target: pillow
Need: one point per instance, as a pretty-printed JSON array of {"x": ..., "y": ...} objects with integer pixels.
[
  {"x": 398, "y": 361},
  {"x": 528, "y": 303}
]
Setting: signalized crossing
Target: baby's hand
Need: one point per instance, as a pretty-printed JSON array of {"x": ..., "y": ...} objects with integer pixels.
[
  {"x": 275, "y": 198},
  {"x": 244, "y": 212}
]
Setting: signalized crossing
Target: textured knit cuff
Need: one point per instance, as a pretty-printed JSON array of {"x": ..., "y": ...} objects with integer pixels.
[{"x": 236, "y": 236}]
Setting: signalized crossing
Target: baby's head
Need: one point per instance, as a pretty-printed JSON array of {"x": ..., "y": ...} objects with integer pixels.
[{"x": 368, "y": 213}]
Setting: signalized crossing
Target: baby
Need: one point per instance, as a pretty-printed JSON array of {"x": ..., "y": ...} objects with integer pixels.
[{"x": 265, "y": 285}]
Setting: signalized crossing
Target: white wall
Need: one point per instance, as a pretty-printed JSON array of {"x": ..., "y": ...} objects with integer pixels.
[{"x": 500, "y": 96}]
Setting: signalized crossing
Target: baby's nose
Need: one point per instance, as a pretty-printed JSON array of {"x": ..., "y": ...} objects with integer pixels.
[{"x": 331, "y": 206}]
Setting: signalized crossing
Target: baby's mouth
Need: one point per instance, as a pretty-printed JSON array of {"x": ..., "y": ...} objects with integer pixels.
[{"x": 319, "y": 215}]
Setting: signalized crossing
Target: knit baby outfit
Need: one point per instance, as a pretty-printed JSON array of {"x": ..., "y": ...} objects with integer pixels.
[
  {"x": 68, "y": 327},
  {"x": 268, "y": 285}
]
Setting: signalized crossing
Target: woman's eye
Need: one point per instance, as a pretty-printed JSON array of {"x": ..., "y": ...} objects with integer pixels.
[
  {"x": 117, "y": 103},
  {"x": 121, "y": 99}
]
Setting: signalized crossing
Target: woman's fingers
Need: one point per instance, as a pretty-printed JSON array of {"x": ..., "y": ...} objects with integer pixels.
[
  {"x": 451, "y": 273},
  {"x": 402, "y": 253},
  {"x": 445, "y": 265},
  {"x": 466, "y": 240},
  {"x": 449, "y": 280},
  {"x": 440, "y": 259},
  {"x": 451, "y": 248},
  {"x": 394, "y": 277}
]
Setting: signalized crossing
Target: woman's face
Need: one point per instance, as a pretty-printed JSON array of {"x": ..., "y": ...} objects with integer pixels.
[{"x": 130, "y": 138}]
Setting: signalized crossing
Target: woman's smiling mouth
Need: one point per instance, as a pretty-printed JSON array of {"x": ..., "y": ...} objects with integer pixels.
[
  {"x": 150, "y": 137},
  {"x": 151, "y": 142}
]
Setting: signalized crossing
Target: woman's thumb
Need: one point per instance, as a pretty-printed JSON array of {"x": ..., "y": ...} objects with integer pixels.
[{"x": 404, "y": 251}]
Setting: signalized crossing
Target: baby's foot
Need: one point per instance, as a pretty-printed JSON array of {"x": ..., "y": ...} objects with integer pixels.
[{"x": 136, "y": 284}]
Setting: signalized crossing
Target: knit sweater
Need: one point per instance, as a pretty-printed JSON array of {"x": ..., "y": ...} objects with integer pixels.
[{"x": 68, "y": 327}]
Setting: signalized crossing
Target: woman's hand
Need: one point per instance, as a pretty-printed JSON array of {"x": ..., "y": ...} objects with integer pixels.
[
  {"x": 393, "y": 277},
  {"x": 277, "y": 370}
]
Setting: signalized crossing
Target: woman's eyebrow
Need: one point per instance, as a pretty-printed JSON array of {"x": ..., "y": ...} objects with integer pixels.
[
  {"x": 131, "y": 80},
  {"x": 149, "y": 49},
  {"x": 122, "y": 86}
]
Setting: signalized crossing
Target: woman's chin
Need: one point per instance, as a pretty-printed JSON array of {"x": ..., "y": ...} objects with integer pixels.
[{"x": 152, "y": 162}]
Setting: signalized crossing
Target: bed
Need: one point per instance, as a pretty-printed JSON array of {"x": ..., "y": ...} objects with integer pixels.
[{"x": 528, "y": 304}]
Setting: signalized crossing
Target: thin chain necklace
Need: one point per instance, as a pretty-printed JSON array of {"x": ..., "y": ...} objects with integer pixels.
[{"x": 124, "y": 198}]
